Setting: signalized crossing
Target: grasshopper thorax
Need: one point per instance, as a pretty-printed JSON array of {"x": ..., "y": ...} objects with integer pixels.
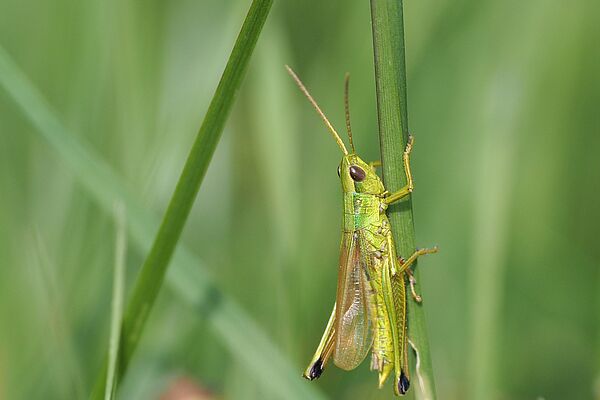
[{"x": 358, "y": 176}]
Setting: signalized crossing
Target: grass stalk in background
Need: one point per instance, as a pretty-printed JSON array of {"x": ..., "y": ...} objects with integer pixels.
[
  {"x": 153, "y": 270},
  {"x": 392, "y": 112},
  {"x": 189, "y": 278},
  {"x": 117, "y": 302}
]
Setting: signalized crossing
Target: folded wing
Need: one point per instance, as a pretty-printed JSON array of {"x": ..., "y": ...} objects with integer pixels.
[{"x": 354, "y": 324}]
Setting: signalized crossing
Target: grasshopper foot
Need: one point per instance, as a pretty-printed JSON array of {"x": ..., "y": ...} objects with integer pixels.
[
  {"x": 412, "y": 281},
  {"x": 403, "y": 383},
  {"x": 315, "y": 370},
  {"x": 409, "y": 145}
]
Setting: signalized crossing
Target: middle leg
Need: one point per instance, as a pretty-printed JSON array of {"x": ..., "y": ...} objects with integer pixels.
[{"x": 404, "y": 266}]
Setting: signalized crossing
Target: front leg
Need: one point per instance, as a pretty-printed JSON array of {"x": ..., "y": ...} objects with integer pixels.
[
  {"x": 375, "y": 164},
  {"x": 406, "y": 190}
]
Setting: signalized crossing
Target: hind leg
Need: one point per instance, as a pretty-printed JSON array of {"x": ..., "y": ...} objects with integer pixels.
[{"x": 324, "y": 351}]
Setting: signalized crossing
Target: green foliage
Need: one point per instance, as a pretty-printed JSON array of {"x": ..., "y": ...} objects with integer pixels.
[
  {"x": 114, "y": 346},
  {"x": 503, "y": 105},
  {"x": 152, "y": 273}
]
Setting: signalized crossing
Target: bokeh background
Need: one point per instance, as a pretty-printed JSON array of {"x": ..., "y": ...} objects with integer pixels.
[{"x": 503, "y": 103}]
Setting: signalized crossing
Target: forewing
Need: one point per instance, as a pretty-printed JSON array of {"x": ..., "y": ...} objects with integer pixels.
[{"x": 354, "y": 326}]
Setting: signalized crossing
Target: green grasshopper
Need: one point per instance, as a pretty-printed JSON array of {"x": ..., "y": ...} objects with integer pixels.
[{"x": 370, "y": 308}]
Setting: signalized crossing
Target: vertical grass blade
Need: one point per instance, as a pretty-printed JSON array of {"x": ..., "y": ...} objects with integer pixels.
[
  {"x": 392, "y": 113},
  {"x": 153, "y": 270},
  {"x": 117, "y": 302},
  {"x": 188, "y": 278}
]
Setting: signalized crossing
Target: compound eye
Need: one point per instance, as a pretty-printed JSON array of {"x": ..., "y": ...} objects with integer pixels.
[
  {"x": 339, "y": 170},
  {"x": 357, "y": 173}
]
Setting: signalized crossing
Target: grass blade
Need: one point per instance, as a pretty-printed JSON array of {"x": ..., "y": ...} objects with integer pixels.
[
  {"x": 392, "y": 113},
  {"x": 153, "y": 270},
  {"x": 117, "y": 302},
  {"x": 188, "y": 277}
]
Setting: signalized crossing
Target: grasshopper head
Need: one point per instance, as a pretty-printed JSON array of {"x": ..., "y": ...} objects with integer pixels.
[{"x": 358, "y": 176}]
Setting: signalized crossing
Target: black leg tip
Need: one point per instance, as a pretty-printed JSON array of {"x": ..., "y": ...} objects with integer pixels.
[
  {"x": 403, "y": 383},
  {"x": 315, "y": 371}
]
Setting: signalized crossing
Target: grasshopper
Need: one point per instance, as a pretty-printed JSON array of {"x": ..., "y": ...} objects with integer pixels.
[{"x": 370, "y": 308}]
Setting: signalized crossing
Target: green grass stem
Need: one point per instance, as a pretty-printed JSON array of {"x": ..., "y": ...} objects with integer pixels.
[
  {"x": 151, "y": 276},
  {"x": 390, "y": 78},
  {"x": 117, "y": 302}
]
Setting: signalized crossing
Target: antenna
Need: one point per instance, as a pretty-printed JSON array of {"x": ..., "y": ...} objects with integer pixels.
[
  {"x": 318, "y": 109},
  {"x": 347, "y": 108}
]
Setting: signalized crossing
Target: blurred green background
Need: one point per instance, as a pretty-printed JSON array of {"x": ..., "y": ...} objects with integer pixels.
[{"x": 503, "y": 103}]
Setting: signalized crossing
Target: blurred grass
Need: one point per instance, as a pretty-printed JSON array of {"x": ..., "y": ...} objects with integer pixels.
[
  {"x": 152, "y": 272},
  {"x": 117, "y": 303},
  {"x": 125, "y": 79},
  {"x": 245, "y": 341}
]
